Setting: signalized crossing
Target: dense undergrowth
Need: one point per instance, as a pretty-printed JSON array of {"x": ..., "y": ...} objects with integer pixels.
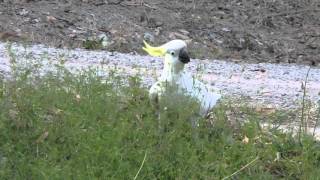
[{"x": 66, "y": 126}]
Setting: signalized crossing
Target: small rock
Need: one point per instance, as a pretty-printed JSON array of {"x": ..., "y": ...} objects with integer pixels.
[
  {"x": 153, "y": 23},
  {"x": 184, "y": 32},
  {"x": 313, "y": 45},
  {"x": 175, "y": 35},
  {"x": 172, "y": 35},
  {"x": 148, "y": 36},
  {"x": 226, "y": 29},
  {"x": 114, "y": 1},
  {"x": 159, "y": 23},
  {"x": 27, "y": 19},
  {"x": 35, "y": 20},
  {"x": 51, "y": 19},
  {"x": 113, "y": 31},
  {"x": 157, "y": 31},
  {"x": 72, "y": 35},
  {"x": 219, "y": 41},
  {"x": 209, "y": 26},
  {"x": 67, "y": 9},
  {"x": 104, "y": 40},
  {"x": 60, "y": 25},
  {"x": 188, "y": 41},
  {"x": 23, "y": 12},
  {"x": 286, "y": 73}
]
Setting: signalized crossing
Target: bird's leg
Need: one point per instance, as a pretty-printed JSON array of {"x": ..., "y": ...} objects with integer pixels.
[
  {"x": 157, "y": 108},
  {"x": 194, "y": 123},
  {"x": 158, "y": 113}
]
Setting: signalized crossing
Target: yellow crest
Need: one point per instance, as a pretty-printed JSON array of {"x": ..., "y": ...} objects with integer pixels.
[{"x": 154, "y": 51}]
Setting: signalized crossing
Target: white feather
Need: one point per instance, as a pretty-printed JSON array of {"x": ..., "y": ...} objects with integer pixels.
[
  {"x": 173, "y": 74},
  {"x": 195, "y": 88},
  {"x": 189, "y": 86}
]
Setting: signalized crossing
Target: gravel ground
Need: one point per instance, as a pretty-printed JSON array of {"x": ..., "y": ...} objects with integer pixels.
[
  {"x": 276, "y": 86},
  {"x": 285, "y": 31}
]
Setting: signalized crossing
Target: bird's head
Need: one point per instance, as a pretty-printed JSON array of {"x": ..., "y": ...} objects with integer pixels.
[{"x": 174, "y": 52}]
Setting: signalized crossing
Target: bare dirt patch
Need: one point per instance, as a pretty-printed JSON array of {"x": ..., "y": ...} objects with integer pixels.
[{"x": 247, "y": 31}]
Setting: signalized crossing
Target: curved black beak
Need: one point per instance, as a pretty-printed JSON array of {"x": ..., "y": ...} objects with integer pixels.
[{"x": 183, "y": 56}]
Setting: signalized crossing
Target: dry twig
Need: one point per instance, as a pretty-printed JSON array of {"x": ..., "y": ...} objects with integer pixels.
[
  {"x": 241, "y": 169},
  {"x": 144, "y": 159}
]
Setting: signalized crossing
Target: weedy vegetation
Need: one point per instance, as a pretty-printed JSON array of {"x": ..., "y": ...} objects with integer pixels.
[{"x": 62, "y": 125}]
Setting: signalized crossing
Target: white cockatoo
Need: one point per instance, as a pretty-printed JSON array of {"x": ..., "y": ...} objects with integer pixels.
[{"x": 173, "y": 74}]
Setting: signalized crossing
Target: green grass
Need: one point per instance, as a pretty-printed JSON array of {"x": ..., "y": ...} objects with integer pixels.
[{"x": 64, "y": 126}]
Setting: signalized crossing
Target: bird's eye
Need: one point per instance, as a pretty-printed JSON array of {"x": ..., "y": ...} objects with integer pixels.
[{"x": 172, "y": 53}]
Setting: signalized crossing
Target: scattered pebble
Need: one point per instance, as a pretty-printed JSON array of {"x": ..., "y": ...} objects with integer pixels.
[
  {"x": 23, "y": 12},
  {"x": 148, "y": 37},
  {"x": 279, "y": 84}
]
